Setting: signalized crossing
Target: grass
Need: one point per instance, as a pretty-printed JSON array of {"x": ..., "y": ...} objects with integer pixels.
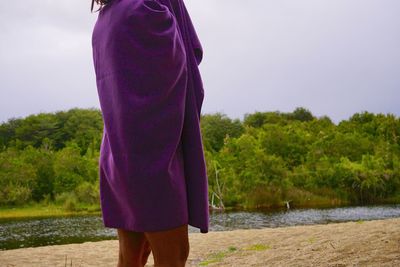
[
  {"x": 311, "y": 240},
  {"x": 232, "y": 248},
  {"x": 214, "y": 257},
  {"x": 41, "y": 210},
  {"x": 258, "y": 247},
  {"x": 220, "y": 255}
]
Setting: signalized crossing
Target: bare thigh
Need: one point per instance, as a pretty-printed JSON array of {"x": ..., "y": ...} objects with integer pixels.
[
  {"x": 170, "y": 247},
  {"x": 134, "y": 248}
]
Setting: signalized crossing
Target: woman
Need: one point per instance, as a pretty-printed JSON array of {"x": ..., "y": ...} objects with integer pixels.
[{"x": 153, "y": 179}]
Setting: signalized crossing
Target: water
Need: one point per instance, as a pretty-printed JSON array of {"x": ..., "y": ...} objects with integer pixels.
[{"x": 28, "y": 232}]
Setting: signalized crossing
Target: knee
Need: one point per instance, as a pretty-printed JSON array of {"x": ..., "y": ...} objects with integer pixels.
[
  {"x": 171, "y": 247},
  {"x": 176, "y": 257}
]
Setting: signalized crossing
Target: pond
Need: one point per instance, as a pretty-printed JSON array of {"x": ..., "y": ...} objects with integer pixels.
[{"x": 33, "y": 232}]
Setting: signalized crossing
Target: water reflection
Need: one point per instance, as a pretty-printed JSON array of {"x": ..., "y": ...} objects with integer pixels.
[{"x": 28, "y": 232}]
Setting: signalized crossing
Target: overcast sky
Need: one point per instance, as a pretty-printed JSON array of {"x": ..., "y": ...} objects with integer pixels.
[{"x": 335, "y": 57}]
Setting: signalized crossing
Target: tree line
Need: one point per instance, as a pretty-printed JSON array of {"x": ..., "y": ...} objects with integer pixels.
[{"x": 264, "y": 160}]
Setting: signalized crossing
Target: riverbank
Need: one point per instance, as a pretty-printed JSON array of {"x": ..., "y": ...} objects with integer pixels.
[
  {"x": 34, "y": 209},
  {"x": 46, "y": 210},
  {"x": 361, "y": 243}
]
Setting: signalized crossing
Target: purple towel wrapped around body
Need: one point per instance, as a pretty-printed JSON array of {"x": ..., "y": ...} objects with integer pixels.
[{"x": 152, "y": 167}]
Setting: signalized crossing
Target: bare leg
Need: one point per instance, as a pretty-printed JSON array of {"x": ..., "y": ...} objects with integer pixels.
[
  {"x": 171, "y": 247},
  {"x": 134, "y": 249}
]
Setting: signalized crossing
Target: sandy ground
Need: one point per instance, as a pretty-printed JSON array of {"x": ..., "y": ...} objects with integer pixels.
[{"x": 363, "y": 243}]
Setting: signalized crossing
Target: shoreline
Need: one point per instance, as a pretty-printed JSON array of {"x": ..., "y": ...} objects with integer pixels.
[
  {"x": 37, "y": 210},
  {"x": 372, "y": 243}
]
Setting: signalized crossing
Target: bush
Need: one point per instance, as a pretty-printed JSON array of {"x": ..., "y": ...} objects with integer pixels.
[
  {"x": 87, "y": 193},
  {"x": 15, "y": 195},
  {"x": 69, "y": 200},
  {"x": 265, "y": 196},
  {"x": 60, "y": 198},
  {"x": 46, "y": 199},
  {"x": 70, "y": 204}
]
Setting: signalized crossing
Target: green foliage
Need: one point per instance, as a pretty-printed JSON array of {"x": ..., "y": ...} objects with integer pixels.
[
  {"x": 88, "y": 193},
  {"x": 68, "y": 200},
  {"x": 84, "y": 128},
  {"x": 337, "y": 144},
  {"x": 291, "y": 142},
  {"x": 42, "y": 162},
  {"x": 216, "y": 127},
  {"x": 266, "y": 160},
  {"x": 301, "y": 114},
  {"x": 258, "y": 119},
  {"x": 69, "y": 169},
  {"x": 46, "y": 200},
  {"x": 54, "y": 130},
  {"x": 17, "y": 178},
  {"x": 295, "y": 156}
]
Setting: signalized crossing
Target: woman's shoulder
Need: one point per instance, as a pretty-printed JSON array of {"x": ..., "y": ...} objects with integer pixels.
[
  {"x": 146, "y": 25},
  {"x": 149, "y": 16},
  {"x": 136, "y": 16},
  {"x": 148, "y": 13},
  {"x": 137, "y": 9}
]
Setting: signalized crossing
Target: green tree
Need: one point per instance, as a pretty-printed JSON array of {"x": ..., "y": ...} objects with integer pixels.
[
  {"x": 70, "y": 169},
  {"x": 16, "y": 178},
  {"x": 216, "y": 127}
]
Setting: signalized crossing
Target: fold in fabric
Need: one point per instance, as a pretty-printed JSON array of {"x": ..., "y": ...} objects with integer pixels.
[{"x": 152, "y": 168}]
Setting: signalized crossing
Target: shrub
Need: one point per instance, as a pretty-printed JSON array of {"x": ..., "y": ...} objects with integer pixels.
[
  {"x": 87, "y": 193},
  {"x": 70, "y": 203}
]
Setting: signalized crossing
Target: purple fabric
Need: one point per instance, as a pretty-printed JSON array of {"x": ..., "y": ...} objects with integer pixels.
[{"x": 152, "y": 168}]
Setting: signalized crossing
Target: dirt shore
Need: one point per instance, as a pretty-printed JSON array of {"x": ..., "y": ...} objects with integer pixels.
[{"x": 362, "y": 243}]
